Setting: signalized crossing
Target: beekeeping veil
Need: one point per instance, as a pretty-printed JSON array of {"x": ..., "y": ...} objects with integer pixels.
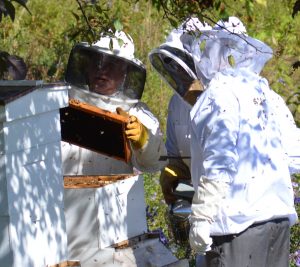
[
  {"x": 173, "y": 59},
  {"x": 108, "y": 61},
  {"x": 228, "y": 47}
]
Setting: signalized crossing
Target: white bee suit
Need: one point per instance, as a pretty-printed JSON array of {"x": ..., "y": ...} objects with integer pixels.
[
  {"x": 106, "y": 214},
  {"x": 244, "y": 147}
]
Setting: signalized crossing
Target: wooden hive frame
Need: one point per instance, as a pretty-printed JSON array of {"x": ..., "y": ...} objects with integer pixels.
[{"x": 95, "y": 129}]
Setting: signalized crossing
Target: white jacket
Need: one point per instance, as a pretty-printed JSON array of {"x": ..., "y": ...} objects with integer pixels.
[
  {"x": 178, "y": 129},
  {"x": 242, "y": 133}
]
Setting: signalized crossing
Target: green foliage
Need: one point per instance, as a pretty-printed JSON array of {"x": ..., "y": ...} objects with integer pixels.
[
  {"x": 8, "y": 69},
  {"x": 92, "y": 19},
  {"x": 177, "y": 11},
  {"x": 39, "y": 38}
]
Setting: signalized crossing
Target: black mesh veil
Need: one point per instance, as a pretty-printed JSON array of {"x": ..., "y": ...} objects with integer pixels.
[
  {"x": 175, "y": 67},
  {"x": 83, "y": 57}
]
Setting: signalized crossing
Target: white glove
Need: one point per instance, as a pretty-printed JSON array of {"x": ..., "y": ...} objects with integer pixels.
[
  {"x": 206, "y": 203},
  {"x": 200, "y": 241}
]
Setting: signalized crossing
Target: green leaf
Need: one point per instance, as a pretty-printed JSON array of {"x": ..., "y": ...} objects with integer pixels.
[
  {"x": 10, "y": 10},
  {"x": 249, "y": 7},
  {"x": 217, "y": 5},
  {"x": 118, "y": 25},
  {"x": 231, "y": 61},
  {"x": 202, "y": 46},
  {"x": 173, "y": 22},
  {"x": 121, "y": 42},
  {"x": 111, "y": 44},
  {"x": 22, "y": 3},
  {"x": 76, "y": 16}
]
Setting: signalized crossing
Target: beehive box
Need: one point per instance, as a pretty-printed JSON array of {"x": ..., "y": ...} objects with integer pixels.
[
  {"x": 103, "y": 210},
  {"x": 31, "y": 189}
]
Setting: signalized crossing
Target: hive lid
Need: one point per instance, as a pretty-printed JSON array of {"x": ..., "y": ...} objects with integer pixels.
[
  {"x": 11, "y": 90},
  {"x": 95, "y": 129}
]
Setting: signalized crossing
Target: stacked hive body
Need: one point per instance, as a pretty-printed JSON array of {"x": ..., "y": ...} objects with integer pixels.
[{"x": 32, "y": 222}]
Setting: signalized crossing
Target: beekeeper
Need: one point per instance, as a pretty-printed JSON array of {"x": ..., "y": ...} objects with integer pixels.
[
  {"x": 107, "y": 75},
  {"x": 174, "y": 63},
  {"x": 244, "y": 146}
]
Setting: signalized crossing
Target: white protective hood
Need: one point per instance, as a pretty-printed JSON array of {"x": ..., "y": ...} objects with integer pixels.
[
  {"x": 98, "y": 58},
  {"x": 173, "y": 59},
  {"x": 227, "y": 46}
]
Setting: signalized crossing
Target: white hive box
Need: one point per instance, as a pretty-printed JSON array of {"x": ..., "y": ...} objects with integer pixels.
[
  {"x": 107, "y": 211},
  {"x": 32, "y": 223}
]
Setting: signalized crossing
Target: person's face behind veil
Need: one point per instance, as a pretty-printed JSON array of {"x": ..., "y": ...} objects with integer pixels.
[{"x": 106, "y": 74}]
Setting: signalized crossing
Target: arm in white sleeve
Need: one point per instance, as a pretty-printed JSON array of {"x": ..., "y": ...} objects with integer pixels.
[
  {"x": 147, "y": 158},
  {"x": 215, "y": 124}
]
